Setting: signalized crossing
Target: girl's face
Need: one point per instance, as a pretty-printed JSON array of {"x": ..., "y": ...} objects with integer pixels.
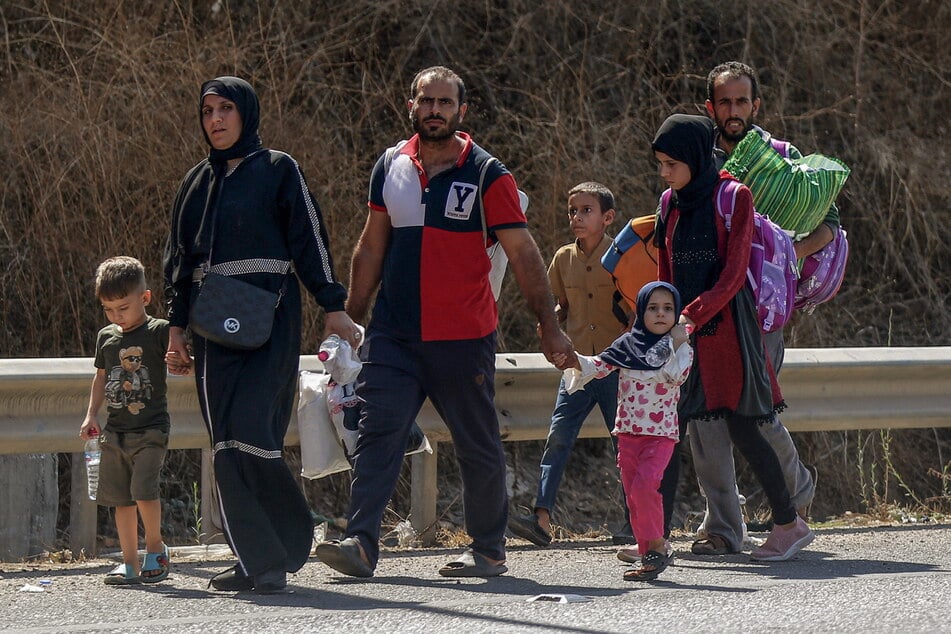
[
  {"x": 675, "y": 173},
  {"x": 221, "y": 121},
  {"x": 659, "y": 316}
]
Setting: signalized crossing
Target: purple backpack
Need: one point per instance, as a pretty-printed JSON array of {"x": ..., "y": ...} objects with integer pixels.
[
  {"x": 822, "y": 273},
  {"x": 771, "y": 273}
]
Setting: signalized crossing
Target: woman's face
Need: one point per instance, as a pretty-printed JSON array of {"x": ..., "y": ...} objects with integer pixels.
[
  {"x": 221, "y": 120},
  {"x": 675, "y": 173}
]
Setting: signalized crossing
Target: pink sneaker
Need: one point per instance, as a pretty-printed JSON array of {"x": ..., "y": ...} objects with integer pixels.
[{"x": 784, "y": 543}]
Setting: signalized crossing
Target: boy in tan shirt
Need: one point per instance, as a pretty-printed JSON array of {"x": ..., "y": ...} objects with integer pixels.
[{"x": 584, "y": 293}]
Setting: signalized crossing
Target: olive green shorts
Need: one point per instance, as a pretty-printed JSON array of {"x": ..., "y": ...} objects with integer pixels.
[{"x": 130, "y": 466}]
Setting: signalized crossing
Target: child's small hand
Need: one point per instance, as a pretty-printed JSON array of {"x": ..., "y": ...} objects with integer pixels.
[
  {"x": 563, "y": 361},
  {"x": 89, "y": 429},
  {"x": 177, "y": 365}
]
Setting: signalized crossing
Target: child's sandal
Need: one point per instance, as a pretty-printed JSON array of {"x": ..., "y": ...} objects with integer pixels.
[
  {"x": 156, "y": 566},
  {"x": 122, "y": 575}
]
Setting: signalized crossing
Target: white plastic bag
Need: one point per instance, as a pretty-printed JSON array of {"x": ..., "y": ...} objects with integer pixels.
[{"x": 321, "y": 450}]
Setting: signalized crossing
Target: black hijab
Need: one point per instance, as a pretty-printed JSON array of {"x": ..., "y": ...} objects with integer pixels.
[
  {"x": 190, "y": 238},
  {"x": 242, "y": 94},
  {"x": 638, "y": 349},
  {"x": 696, "y": 266}
]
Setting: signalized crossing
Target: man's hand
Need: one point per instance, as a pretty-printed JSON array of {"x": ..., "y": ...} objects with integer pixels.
[{"x": 556, "y": 346}]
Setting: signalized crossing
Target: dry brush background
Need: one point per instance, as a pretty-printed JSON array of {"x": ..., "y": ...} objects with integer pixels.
[{"x": 98, "y": 116}]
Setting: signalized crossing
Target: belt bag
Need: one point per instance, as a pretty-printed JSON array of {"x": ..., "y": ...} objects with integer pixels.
[{"x": 233, "y": 313}]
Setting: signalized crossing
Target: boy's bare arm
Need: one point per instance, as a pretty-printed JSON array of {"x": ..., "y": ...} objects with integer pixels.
[{"x": 97, "y": 395}]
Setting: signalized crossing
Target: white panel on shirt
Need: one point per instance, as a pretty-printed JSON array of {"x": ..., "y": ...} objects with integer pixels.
[{"x": 402, "y": 193}]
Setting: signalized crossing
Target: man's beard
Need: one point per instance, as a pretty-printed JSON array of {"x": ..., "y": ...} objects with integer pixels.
[
  {"x": 735, "y": 138},
  {"x": 425, "y": 134}
]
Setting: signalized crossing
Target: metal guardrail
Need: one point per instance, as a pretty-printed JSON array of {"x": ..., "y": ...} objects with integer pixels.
[{"x": 42, "y": 403}]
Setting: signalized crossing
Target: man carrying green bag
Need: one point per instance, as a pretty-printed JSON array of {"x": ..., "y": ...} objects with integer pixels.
[
  {"x": 794, "y": 192},
  {"x": 732, "y": 102}
]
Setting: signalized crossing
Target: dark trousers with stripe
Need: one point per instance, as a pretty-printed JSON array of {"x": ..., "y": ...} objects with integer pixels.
[
  {"x": 458, "y": 377},
  {"x": 247, "y": 398}
]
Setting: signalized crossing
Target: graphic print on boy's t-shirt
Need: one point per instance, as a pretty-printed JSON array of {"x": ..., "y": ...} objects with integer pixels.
[{"x": 128, "y": 385}]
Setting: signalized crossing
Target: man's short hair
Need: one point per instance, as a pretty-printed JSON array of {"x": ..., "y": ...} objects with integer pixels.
[
  {"x": 732, "y": 70},
  {"x": 592, "y": 188},
  {"x": 118, "y": 277},
  {"x": 442, "y": 73}
]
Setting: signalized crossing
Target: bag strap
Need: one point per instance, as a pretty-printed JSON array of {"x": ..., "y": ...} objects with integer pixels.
[
  {"x": 238, "y": 267},
  {"x": 726, "y": 201},
  {"x": 479, "y": 191},
  {"x": 390, "y": 154},
  {"x": 665, "y": 204}
]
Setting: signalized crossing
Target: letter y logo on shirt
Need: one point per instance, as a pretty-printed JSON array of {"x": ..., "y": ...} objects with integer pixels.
[{"x": 459, "y": 203}]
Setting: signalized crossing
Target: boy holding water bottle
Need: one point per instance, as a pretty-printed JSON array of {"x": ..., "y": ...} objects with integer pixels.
[{"x": 130, "y": 380}]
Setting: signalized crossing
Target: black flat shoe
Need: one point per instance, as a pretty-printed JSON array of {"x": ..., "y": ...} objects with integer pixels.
[
  {"x": 528, "y": 529},
  {"x": 272, "y": 581},
  {"x": 231, "y": 580}
]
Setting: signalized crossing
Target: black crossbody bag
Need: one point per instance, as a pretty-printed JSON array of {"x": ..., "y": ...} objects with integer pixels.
[{"x": 231, "y": 312}]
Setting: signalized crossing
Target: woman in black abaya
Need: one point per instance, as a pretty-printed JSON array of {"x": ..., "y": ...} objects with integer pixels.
[{"x": 248, "y": 210}]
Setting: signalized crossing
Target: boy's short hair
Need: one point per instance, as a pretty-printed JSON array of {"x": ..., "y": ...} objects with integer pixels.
[
  {"x": 118, "y": 277},
  {"x": 592, "y": 188}
]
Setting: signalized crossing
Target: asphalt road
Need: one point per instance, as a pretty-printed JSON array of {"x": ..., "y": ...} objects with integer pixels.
[{"x": 881, "y": 579}]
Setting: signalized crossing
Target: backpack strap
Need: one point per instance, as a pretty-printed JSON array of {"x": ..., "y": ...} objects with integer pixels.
[
  {"x": 665, "y": 204},
  {"x": 390, "y": 154},
  {"x": 482, "y": 171},
  {"x": 726, "y": 200}
]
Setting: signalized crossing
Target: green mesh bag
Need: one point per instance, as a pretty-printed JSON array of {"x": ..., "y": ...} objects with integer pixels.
[{"x": 793, "y": 193}]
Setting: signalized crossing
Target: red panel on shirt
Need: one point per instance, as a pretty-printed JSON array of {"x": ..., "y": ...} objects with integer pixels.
[{"x": 457, "y": 299}]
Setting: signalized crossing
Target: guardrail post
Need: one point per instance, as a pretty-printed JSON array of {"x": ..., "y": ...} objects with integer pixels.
[
  {"x": 83, "y": 512},
  {"x": 423, "y": 494},
  {"x": 211, "y": 531}
]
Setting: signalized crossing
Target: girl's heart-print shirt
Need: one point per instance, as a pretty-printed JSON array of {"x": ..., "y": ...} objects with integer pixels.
[{"x": 647, "y": 399}]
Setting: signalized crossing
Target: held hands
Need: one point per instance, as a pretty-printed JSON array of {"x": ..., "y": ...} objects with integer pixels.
[
  {"x": 555, "y": 342},
  {"x": 679, "y": 335},
  {"x": 177, "y": 358},
  {"x": 563, "y": 362}
]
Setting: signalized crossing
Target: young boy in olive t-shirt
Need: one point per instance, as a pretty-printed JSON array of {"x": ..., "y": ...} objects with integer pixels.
[{"x": 130, "y": 380}]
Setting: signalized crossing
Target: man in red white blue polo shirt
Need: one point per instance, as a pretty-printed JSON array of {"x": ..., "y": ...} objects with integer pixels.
[{"x": 433, "y": 329}]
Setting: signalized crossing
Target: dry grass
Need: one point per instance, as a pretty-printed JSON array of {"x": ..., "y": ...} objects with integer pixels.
[{"x": 98, "y": 115}]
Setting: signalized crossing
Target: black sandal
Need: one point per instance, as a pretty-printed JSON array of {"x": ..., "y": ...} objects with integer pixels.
[
  {"x": 652, "y": 564},
  {"x": 529, "y": 529}
]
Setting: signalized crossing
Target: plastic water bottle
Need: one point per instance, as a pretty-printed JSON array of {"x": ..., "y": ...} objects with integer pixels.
[
  {"x": 93, "y": 453},
  {"x": 328, "y": 348}
]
